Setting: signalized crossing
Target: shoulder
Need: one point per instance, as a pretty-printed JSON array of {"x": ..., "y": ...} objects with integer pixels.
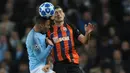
[
  {"x": 30, "y": 34},
  {"x": 30, "y": 37},
  {"x": 71, "y": 26}
]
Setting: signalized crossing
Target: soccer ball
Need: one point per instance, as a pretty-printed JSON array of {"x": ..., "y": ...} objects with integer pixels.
[{"x": 46, "y": 10}]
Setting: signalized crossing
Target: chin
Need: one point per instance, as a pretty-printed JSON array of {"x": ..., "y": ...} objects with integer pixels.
[{"x": 59, "y": 21}]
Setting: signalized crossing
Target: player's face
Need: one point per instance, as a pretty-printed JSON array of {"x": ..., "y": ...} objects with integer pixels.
[
  {"x": 59, "y": 15},
  {"x": 45, "y": 26}
]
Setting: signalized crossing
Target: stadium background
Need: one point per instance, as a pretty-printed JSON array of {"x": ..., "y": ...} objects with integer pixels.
[{"x": 108, "y": 51}]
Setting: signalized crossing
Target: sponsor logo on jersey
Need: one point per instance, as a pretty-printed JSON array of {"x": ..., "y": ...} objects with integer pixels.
[{"x": 57, "y": 40}]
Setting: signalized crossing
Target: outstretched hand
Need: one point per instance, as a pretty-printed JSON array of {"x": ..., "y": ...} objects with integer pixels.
[{"x": 89, "y": 28}]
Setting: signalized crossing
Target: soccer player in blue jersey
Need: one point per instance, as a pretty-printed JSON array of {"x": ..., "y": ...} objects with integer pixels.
[{"x": 36, "y": 46}]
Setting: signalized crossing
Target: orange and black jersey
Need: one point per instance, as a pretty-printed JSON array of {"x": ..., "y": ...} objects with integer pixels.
[{"x": 63, "y": 39}]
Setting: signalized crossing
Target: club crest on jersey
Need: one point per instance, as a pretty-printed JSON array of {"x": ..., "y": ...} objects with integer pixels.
[
  {"x": 36, "y": 47},
  {"x": 64, "y": 28}
]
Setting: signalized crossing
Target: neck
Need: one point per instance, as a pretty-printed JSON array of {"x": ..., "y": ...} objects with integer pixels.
[
  {"x": 59, "y": 23},
  {"x": 36, "y": 28}
]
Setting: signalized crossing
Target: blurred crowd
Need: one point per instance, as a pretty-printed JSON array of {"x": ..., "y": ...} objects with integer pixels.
[{"x": 108, "y": 49}]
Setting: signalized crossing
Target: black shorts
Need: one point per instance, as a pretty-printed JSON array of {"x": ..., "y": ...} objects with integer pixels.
[{"x": 66, "y": 67}]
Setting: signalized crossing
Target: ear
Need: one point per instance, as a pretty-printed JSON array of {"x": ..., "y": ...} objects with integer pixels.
[
  {"x": 42, "y": 23},
  {"x": 64, "y": 15}
]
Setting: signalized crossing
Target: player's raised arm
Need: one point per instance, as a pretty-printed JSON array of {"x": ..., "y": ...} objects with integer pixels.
[
  {"x": 88, "y": 29},
  {"x": 40, "y": 52}
]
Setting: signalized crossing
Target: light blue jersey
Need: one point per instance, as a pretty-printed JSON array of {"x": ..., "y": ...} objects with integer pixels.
[{"x": 37, "y": 50}]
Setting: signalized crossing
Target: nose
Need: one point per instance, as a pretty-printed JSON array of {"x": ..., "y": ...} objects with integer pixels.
[{"x": 58, "y": 14}]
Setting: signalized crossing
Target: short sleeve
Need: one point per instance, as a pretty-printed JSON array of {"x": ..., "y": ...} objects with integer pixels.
[{"x": 76, "y": 32}]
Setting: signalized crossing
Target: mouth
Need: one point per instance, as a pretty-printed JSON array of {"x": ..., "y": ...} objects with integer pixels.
[{"x": 58, "y": 17}]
